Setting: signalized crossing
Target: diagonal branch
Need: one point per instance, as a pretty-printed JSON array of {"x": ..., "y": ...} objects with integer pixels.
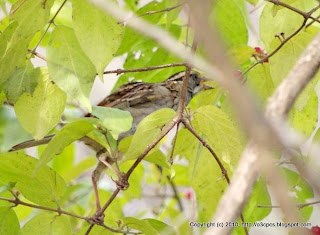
[
  {"x": 33, "y": 51},
  {"x": 17, "y": 202},
  {"x": 278, "y": 107},
  {"x": 306, "y": 16}
]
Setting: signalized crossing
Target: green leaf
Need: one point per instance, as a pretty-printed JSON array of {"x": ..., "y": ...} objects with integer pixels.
[
  {"x": 68, "y": 134},
  {"x": 64, "y": 161},
  {"x": 45, "y": 188},
  {"x": 259, "y": 196},
  {"x": 147, "y": 131},
  {"x": 181, "y": 177},
  {"x": 132, "y": 4},
  {"x": 23, "y": 80},
  {"x": 79, "y": 169},
  {"x": 157, "y": 157},
  {"x": 11, "y": 132},
  {"x": 260, "y": 82},
  {"x": 114, "y": 120},
  {"x": 214, "y": 126},
  {"x": 65, "y": 14},
  {"x": 305, "y": 120},
  {"x": 221, "y": 133},
  {"x": 68, "y": 66},
  {"x": 135, "y": 181},
  {"x": 205, "y": 176},
  {"x": 47, "y": 223},
  {"x": 230, "y": 20},
  {"x": 253, "y": 2},
  {"x": 144, "y": 52},
  {"x": 285, "y": 21},
  {"x": 172, "y": 14},
  {"x": 27, "y": 17},
  {"x": 93, "y": 27},
  {"x": 9, "y": 223},
  {"x": 6, "y": 187},
  {"x": 39, "y": 112},
  {"x": 3, "y": 7},
  {"x": 241, "y": 54},
  {"x": 208, "y": 97},
  {"x": 2, "y": 98},
  {"x": 148, "y": 226},
  {"x": 100, "y": 138},
  {"x": 279, "y": 68},
  {"x": 300, "y": 191},
  {"x": 282, "y": 62}
]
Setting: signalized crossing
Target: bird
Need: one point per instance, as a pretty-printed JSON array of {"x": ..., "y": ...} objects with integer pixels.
[{"x": 140, "y": 99}]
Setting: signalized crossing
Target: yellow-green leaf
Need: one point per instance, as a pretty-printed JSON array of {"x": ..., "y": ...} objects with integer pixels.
[
  {"x": 39, "y": 112},
  {"x": 68, "y": 134},
  {"x": 148, "y": 130},
  {"x": 44, "y": 188},
  {"x": 68, "y": 65},
  {"x": 93, "y": 27}
]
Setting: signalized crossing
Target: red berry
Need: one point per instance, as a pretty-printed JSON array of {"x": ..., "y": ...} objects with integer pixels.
[
  {"x": 315, "y": 230},
  {"x": 258, "y": 49},
  {"x": 188, "y": 194}
]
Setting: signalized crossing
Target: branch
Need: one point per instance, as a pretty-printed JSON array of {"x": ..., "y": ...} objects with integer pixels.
[
  {"x": 17, "y": 202},
  {"x": 33, "y": 51},
  {"x": 163, "y": 10},
  {"x": 279, "y": 105},
  {"x": 309, "y": 24},
  {"x": 277, "y": 49},
  {"x": 306, "y": 17},
  {"x": 153, "y": 12},
  {"x": 300, "y": 206},
  {"x": 207, "y": 146},
  {"x": 223, "y": 170},
  {"x": 119, "y": 71},
  {"x": 37, "y": 55}
]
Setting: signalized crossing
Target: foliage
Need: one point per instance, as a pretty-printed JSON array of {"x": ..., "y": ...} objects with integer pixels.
[{"x": 52, "y": 190}]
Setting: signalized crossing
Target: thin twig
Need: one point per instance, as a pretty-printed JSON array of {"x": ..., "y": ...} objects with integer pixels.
[
  {"x": 277, "y": 49},
  {"x": 33, "y": 51},
  {"x": 120, "y": 71},
  {"x": 223, "y": 170},
  {"x": 37, "y": 55},
  {"x": 309, "y": 24},
  {"x": 152, "y": 12},
  {"x": 17, "y": 202},
  {"x": 306, "y": 16},
  {"x": 163, "y": 10},
  {"x": 173, "y": 144},
  {"x": 302, "y": 205},
  {"x": 175, "y": 193},
  {"x": 207, "y": 146}
]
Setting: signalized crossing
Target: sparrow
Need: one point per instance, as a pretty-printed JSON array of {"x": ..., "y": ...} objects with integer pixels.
[{"x": 140, "y": 99}]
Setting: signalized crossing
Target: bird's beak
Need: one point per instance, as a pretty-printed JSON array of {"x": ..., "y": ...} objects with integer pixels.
[{"x": 206, "y": 85}]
